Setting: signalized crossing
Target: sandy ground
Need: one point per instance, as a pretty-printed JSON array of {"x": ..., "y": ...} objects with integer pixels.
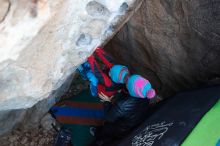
[{"x": 35, "y": 137}]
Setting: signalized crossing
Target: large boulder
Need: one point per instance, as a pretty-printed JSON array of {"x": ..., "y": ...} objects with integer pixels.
[
  {"x": 173, "y": 43},
  {"x": 41, "y": 44}
]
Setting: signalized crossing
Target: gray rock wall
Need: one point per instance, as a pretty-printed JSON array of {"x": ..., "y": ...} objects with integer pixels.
[{"x": 173, "y": 43}]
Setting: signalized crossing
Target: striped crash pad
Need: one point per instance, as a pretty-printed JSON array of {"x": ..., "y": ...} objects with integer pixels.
[{"x": 80, "y": 114}]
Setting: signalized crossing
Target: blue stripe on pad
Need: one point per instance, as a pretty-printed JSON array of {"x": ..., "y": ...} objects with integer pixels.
[{"x": 78, "y": 112}]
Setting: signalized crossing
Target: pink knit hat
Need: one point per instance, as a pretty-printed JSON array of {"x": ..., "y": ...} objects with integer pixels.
[{"x": 140, "y": 87}]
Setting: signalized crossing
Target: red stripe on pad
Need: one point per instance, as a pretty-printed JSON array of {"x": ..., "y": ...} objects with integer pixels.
[{"x": 79, "y": 121}]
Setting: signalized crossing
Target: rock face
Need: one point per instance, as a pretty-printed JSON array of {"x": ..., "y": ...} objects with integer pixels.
[
  {"x": 173, "y": 43},
  {"x": 41, "y": 44}
]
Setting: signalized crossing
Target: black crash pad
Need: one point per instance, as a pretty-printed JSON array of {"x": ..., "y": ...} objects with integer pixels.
[{"x": 171, "y": 123}]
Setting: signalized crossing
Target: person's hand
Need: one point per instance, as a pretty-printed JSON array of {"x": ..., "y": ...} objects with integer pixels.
[{"x": 105, "y": 97}]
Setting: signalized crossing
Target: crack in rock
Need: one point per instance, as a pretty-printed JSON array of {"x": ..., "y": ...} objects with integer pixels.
[{"x": 4, "y": 10}]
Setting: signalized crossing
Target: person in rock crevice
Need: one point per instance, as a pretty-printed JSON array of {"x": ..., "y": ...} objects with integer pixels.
[
  {"x": 129, "y": 110},
  {"x": 126, "y": 97}
]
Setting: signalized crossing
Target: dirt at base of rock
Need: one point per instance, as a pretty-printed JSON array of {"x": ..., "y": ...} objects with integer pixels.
[{"x": 35, "y": 137}]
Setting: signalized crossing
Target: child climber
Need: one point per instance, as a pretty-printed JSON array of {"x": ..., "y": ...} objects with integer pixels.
[{"x": 128, "y": 111}]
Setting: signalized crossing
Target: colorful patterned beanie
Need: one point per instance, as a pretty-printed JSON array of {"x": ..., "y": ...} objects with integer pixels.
[
  {"x": 140, "y": 87},
  {"x": 119, "y": 74}
]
